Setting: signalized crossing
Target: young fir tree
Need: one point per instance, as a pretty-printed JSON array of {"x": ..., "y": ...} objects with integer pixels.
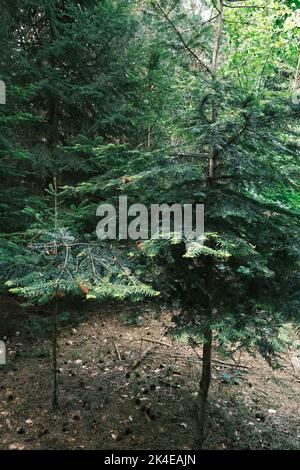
[
  {"x": 68, "y": 64},
  {"x": 237, "y": 148},
  {"x": 242, "y": 284},
  {"x": 54, "y": 265}
]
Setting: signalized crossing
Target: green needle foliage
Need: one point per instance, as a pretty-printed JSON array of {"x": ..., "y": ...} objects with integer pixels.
[
  {"x": 237, "y": 152},
  {"x": 164, "y": 102}
]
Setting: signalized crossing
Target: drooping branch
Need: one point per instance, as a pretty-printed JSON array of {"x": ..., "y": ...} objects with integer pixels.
[
  {"x": 205, "y": 66},
  {"x": 233, "y": 139},
  {"x": 190, "y": 155}
]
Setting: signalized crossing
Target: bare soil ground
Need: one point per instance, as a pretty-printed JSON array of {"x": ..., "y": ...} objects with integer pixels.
[{"x": 120, "y": 390}]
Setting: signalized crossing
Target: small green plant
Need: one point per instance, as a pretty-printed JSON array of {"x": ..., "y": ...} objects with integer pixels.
[{"x": 233, "y": 378}]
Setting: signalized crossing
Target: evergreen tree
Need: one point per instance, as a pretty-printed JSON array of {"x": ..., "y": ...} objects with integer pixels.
[
  {"x": 165, "y": 104},
  {"x": 67, "y": 64},
  {"x": 236, "y": 287},
  {"x": 237, "y": 147}
]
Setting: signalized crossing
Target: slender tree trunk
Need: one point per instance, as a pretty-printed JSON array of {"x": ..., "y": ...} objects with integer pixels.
[
  {"x": 55, "y": 308},
  {"x": 202, "y": 402},
  {"x": 151, "y": 89},
  {"x": 54, "y": 357},
  {"x": 52, "y": 143},
  {"x": 149, "y": 135},
  {"x": 295, "y": 84}
]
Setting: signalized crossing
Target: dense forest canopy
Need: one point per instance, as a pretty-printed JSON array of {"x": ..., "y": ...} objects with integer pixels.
[{"x": 170, "y": 101}]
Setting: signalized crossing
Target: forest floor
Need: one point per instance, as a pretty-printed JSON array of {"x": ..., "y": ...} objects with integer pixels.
[{"x": 120, "y": 390}]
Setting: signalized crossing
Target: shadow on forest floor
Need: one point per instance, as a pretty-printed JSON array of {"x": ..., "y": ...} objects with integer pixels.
[{"x": 110, "y": 401}]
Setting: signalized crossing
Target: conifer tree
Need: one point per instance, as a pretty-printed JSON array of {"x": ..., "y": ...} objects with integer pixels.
[
  {"x": 235, "y": 150},
  {"x": 67, "y": 65},
  {"x": 167, "y": 105},
  {"x": 236, "y": 286}
]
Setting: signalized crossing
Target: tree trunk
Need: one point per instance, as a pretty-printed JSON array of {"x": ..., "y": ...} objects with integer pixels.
[
  {"x": 202, "y": 401},
  {"x": 54, "y": 358},
  {"x": 296, "y": 81},
  {"x": 52, "y": 142}
]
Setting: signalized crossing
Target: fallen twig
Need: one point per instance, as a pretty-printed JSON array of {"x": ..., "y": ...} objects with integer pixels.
[
  {"x": 227, "y": 364},
  {"x": 215, "y": 362},
  {"x": 117, "y": 351},
  {"x": 145, "y": 354},
  {"x": 156, "y": 342}
]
